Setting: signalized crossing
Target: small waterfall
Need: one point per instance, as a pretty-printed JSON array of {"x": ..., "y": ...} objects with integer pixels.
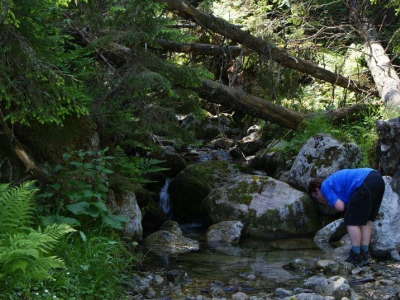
[{"x": 164, "y": 199}]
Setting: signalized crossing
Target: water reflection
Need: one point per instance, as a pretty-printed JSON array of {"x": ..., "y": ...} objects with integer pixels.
[{"x": 253, "y": 265}]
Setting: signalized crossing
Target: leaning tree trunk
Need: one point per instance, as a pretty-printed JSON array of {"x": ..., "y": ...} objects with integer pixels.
[
  {"x": 200, "y": 49},
  {"x": 385, "y": 77},
  {"x": 259, "y": 45},
  {"x": 266, "y": 110},
  {"x": 236, "y": 99}
]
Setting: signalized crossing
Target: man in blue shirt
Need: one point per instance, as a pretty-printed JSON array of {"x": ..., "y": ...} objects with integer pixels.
[{"x": 359, "y": 193}]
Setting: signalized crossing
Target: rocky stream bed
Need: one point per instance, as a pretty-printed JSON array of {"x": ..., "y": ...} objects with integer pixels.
[{"x": 287, "y": 269}]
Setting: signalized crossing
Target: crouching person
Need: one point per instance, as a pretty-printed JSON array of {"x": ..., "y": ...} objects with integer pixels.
[{"x": 359, "y": 193}]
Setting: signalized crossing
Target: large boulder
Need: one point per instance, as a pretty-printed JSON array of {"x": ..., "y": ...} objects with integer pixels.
[
  {"x": 192, "y": 185},
  {"x": 267, "y": 207},
  {"x": 388, "y": 150},
  {"x": 385, "y": 233},
  {"x": 321, "y": 156},
  {"x": 385, "y": 238}
]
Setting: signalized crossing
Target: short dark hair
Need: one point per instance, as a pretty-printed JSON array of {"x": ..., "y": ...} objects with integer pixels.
[{"x": 315, "y": 183}]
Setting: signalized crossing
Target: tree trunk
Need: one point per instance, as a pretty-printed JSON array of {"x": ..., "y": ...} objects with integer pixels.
[
  {"x": 266, "y": 110},
  {"x": 260, "y": 46},
  {"x": 385, "y": 77},
  {"x": 31, "y": 169},
  {"x": 200, "y": 49}
]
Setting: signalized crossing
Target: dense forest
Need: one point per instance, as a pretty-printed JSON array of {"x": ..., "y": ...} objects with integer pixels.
[{"x": 89, "y": 88}]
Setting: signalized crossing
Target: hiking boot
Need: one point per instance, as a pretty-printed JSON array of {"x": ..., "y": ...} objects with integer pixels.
[
  {"x": 355, "y": 259},
  {"x": 366, "y": 257}
]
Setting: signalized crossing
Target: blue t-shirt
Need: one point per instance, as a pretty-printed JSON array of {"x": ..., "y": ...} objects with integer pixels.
[{"x": 342, "y": 184}]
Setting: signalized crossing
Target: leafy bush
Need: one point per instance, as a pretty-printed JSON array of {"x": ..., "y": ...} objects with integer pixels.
[{"x": 81, "y": 189}]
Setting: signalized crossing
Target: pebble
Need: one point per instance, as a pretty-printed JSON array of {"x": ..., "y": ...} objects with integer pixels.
[{"x": 376, "y": 281}]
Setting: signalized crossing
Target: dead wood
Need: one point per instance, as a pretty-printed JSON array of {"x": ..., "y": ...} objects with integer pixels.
[
  {"x": 200, "y": 49},
  {"x": 261, "y": 46},
  {"x": 238, "y": 100}
]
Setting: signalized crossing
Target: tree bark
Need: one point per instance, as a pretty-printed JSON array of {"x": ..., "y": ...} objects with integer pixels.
[
  {"x": 385, "y": 77},
  {"x": 200, "y": 49},
  {"x": 261, "y": 46},
  {"x": 31, "y": 169},
  {"x": 247, "y": 104},
  {"x": 266, "y": 110}
]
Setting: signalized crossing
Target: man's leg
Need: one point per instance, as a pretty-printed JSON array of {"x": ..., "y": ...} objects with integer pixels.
[
  {"x": 355, "y": 234},
  {"x": 366, "y": 234},
  {"x": 355, "y": 257}
]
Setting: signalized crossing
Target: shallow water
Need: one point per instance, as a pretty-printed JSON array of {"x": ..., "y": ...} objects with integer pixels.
[{"x": 253, "y": 266}]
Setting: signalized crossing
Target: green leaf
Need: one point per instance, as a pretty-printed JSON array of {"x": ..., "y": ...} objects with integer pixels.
[
  {"x": 79, "y": 208},
  {"x": 88, "y": 166},
  {"x": 101, "y": 206},
  {"x": 45, "y": 195},
  {"x": 76, "y": 164},
  {"x": 50, "y": 220},
  {"x": 115, "y": 221},
  {"x": 83, "y": 236},
  {"x": 58, "y": 168},
  {"x": 102, "y": 188}
]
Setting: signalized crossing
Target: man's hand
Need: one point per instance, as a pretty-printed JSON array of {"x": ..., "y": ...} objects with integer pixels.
[{"x": 339, "y": 205}]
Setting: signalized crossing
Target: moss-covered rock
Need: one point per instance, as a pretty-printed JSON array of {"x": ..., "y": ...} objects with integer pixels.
[
  {"x": 321, "y": 156},
  {"x": 267, "y": 207},
  {"x": 193, "y": 184}
]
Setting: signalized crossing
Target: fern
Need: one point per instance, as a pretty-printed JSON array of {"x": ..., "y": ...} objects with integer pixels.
[
  {"x": 24, "y": 251},
  {"x": 132, "y": 172},
  {"x": 16, "y": 209}
]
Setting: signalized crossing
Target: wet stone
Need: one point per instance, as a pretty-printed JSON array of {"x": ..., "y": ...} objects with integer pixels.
[{"x": 281, "y": 293}]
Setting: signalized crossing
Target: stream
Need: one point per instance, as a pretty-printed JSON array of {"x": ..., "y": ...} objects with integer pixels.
[{"x": 253, "y": 266}]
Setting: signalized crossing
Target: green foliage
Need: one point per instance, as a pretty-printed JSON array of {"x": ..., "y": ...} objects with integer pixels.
[
  {"x": 97, "y": 267},
  {"x": 25, "y": 253},
  {"x": 38, "y": 84},
  {"x": 389, "y": 3},
  {"x": 81, "y": 184},
  {"x": 131, "y": 172},
  {"x": 82, "y": 189},
  {"x": 361, "y": 132},
  {"x": 309, "y": 127},
  {"x": 143, "y": 94}
]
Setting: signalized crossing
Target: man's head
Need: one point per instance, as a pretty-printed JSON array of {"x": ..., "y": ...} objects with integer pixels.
[
  {"x": 315, "y": 183},
  {"x": 314, "y": 188}
]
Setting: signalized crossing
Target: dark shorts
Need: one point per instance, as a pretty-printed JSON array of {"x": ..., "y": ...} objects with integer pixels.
[{"x": 364, "y": 204}]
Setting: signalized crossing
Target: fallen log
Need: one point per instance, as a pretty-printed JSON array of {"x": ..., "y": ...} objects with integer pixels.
[
  {"x": 261, "y": 46},
  {"x": 260, "y": 108}
]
